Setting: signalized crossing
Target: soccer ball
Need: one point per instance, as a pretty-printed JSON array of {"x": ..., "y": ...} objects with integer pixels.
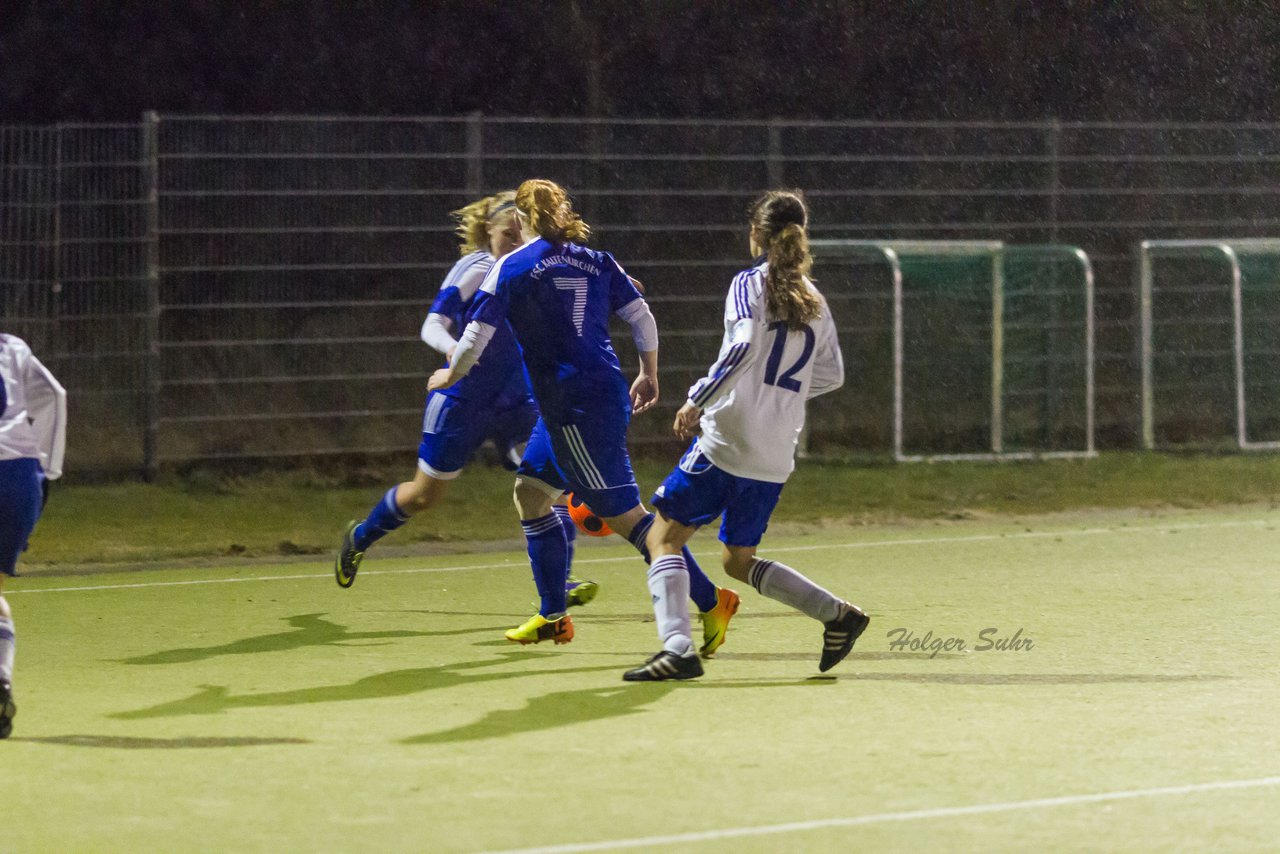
[{"x": 588, "y": 523}]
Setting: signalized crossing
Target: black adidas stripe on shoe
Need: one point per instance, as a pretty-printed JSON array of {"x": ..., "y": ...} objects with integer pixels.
[{"x": 839, "y": 634}]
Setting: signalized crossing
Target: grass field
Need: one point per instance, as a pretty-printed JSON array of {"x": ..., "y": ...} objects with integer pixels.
[{"x": 260, "y": 708}]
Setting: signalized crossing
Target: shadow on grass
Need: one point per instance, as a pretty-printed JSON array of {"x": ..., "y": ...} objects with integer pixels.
[
  {"x": 308, "y": 630},
  {"x": 123, "y": 742},
  {"x": 1033, "y": 678},
  {"x": 853, "y": 656},
  {"x": 215, "y": 699},
  {"x": 557, "y": 709},
  {"x": 568, "y": 708}
]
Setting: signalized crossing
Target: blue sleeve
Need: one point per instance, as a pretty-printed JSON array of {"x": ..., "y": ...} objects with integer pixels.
[
  {"x": 448, "y": 302},
  {"x": 490, "y": 308},
  {"x": 621, "y": 291}
]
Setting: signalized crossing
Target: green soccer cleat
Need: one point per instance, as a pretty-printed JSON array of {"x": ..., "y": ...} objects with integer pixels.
[
  {"x": 347, "y": 563},
  {"x": 7, "y": 709},
  {"x": 579, "y": 592},
  {"x": 538, "y": 628},
  {"x": 715, "y": 623}
]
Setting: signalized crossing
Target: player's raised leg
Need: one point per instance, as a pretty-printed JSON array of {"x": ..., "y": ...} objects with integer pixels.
[
  {"x": 842, "y": 623},
  {"x": 397, "y": 505}
]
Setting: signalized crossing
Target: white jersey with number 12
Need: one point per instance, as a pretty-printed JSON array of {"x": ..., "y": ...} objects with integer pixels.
[{"x": 753, "y": 398}]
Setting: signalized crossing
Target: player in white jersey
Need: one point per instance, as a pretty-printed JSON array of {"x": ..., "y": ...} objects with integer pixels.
[
  {"x": 745, "y": 416},
  {"x": 33, "y": 436}
]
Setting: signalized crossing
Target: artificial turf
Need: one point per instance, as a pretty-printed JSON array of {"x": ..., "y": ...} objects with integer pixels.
[{"x": 260, "y": 707}]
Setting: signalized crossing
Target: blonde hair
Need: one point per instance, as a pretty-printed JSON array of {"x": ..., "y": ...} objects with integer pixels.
[
  {"x": 780, "y": 219},
  {"x": 546, "y": 205},
  {"x": 473, "y": 221}
]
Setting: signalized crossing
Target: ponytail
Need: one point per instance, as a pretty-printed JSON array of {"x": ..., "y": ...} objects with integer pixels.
[
  {"x": 546, "y": 207},
  {"x": 781, "y": 217}
]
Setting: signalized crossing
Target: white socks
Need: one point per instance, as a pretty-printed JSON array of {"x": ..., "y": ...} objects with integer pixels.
[
  {"x": 669, "y": 585},
  {"x": 6, "y": 649},
  {"x": 781, "y": 582}
]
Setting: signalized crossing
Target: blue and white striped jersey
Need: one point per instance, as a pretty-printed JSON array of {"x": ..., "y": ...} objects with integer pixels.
[
  {"x": 502, "y": 373},
  {"x": 33, "y": 408},
  {"x": 753, "y": 398},
  {"x": 459, "y": 287},
  {"x": 558, "y": 298}
]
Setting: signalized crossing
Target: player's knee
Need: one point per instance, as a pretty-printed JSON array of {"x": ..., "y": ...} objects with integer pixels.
[
  {"x": 419, "y": 494},
  {"x": 532, "y": 502},
  {"x": 737, "y": 565},
  {"x": 665, "y": 538},
  {"x": 415, "y": 503}
]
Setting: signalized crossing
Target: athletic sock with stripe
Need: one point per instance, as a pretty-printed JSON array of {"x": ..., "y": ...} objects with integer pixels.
[
  {"x": 384, "y": 518},
  {"x": 702, "y": 590},
  {"x": 781, "y": 582},
  {"x": 570, "y": 535},
  {"x": 7, "y": 642},
  {"x": 548, "y": 555},
  {"x": 669, "y": 586}
]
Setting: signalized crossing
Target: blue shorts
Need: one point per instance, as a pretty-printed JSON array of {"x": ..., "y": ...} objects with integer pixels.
[
  {"x": 696, "y": 492},
  {"x": 20, "y": 496},
  {"x": 589, "y": 458},
  {"x": 453, "y": 427}
]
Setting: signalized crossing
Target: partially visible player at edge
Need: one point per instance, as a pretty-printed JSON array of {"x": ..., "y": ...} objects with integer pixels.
[
  {"x": 558, "y": 296},
  {"x": 494, "y": 401},
  {"x": 745, "y": 416},
  {"x": 33, "y": 437}
]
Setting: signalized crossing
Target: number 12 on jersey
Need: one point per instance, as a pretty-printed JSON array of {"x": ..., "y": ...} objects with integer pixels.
[{"x": 787, "y": 380}]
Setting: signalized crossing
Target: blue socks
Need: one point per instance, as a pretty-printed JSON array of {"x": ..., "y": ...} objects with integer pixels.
[
  {"x": 549, "y": 555},
  {"x": 384, "y": 518},
  {"x": 702, "y": 590},
  {"x": 570, "y": 534}
]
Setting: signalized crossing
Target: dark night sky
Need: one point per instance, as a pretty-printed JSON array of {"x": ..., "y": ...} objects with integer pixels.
[{"x": 963, "y": 59}]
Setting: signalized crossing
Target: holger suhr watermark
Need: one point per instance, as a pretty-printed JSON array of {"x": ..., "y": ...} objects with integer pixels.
[{"x": 989, "y": 640}]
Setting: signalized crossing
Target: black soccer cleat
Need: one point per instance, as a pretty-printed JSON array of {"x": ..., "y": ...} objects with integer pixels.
[
  {"x": 839, "y": 634},
  {"x": 665, "y": 665},
  {"x": 7, "y": 709},
  {"x": 347, "y": 563}
]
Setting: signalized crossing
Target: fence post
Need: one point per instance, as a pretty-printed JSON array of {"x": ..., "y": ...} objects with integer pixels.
[
  {"x": 1049, "y": 352},
  {"x": 475, "y": 155},
  {"x": 55, "y": 286},
  {"x": 151, "y": 370},
  {"x": 773, "y": 162}
]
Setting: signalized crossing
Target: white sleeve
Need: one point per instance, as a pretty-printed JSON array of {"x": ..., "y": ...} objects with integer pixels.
[
  {"x": 47, "y": 408},
  {"x": 467, "y": 274},
  {"x": 828, "y": 364},
  {"x": 469, "y": 279},
  {"x": 740, "y": 349},
  {"x": 471, "y": 346},
  {"x": 435, "y": 332},
  {"x": 644, "y": 329}
]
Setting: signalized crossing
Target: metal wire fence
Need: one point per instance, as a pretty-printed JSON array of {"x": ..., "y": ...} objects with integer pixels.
[{"x": 228, "y": 287}]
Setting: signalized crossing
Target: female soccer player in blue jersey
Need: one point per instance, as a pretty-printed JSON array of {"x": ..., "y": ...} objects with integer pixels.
[
  {"x": 558, "y": 296},
  {"x": 33, "y": 437},
  {"x": 494, "y": 401},
  {"x": 779, "y": 350}
]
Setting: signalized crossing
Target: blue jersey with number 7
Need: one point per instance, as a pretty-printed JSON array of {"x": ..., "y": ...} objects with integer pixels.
[{"x": 558, "y": 298}]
